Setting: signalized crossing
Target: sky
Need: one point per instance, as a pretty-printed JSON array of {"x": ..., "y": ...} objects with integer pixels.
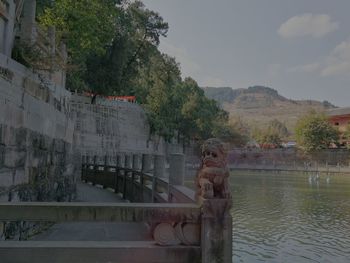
[{"x": 301, "y": 48}]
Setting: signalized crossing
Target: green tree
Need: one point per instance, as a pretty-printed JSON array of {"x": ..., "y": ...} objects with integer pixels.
[
  {"x": 314, "y": 132},
  {"x": 277, "y": 127},
  {"x": 267, "y": 136},
  {"x": 346, "y": 135},
  {"x": 136, "y": 38},
  {"x": 160, "y": 103},
  {"x": 85, "y": 26}
]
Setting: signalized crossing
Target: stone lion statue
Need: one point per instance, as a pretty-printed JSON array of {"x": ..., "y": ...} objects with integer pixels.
[{"x": 212, "y": 178}]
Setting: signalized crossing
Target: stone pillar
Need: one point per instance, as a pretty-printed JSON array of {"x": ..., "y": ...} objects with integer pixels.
[
  {"x": 127, "y": 164},
  {"x": 127, "y": 161},
  {"x": 216, "y": 243},
  {"x": 159, "y": 166},
  {"x": 120, "y": 160},
  {"x": 177, "y": 169},
  {"x": 7, "y": 36},
  {"x": 28, "y": 21},
  {"x": 146, "y": 163},
  {"x": 119, "y": 163},
  {"x": 136, "y": 162}
]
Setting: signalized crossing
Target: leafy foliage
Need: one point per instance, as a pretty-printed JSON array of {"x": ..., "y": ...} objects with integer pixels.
[
  {"x": 85, "y": 26},
  {"x": 314, "y": 132},
  {"x": 346, "y": 135},
  {"x": 272, "y": 135},
  {"x": 137, "y": 35},
  {"x": 113, "y": 47}
]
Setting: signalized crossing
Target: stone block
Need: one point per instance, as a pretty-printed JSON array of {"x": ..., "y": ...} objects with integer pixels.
[
  {"x": 32, "y": 174},
  {"x": 6, "y": 177},
  {"x": 8, "y": 135},
  {"x": 44, "y": 142},
  {"x": 31, "y": 86},
  {"x": 20, "y": 177},
  {"x": 4, "y": 196},
  {"x": 59, "y": 146},
  {"x": 21, "y": 138},
  {"x": 34, "y": 140},
  {"x": 14, "y": 157}
]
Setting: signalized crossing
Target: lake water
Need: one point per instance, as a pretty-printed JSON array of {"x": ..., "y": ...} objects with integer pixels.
[{"x": 290, "y": 218}]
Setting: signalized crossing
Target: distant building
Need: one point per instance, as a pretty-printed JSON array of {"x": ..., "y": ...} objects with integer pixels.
[{"x": 340, "y": 119}]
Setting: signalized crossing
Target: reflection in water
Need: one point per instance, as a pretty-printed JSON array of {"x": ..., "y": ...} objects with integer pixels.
[{"x": 290, "y": 218}]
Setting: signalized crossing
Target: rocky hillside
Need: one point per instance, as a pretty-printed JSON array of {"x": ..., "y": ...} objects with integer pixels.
[{"x": 258, "y": 105}]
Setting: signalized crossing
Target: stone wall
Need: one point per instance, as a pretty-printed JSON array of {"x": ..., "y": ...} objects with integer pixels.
[
  {"x": 36, "y": 136},
  {"x": 7, "y": 18},
  {"x": 111, "y": 127}
]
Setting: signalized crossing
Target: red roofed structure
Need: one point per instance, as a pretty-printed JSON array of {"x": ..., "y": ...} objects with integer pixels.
[{"x": 340, "y": 119}]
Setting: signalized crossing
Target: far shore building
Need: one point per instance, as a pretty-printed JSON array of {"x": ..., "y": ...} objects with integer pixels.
[{"x": 340, "y": 119}]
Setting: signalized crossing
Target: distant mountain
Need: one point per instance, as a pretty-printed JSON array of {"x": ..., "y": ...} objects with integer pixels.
[{"x": 258, "y": 105}]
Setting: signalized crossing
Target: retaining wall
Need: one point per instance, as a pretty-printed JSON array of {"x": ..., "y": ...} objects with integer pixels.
[{"x": 36, "y": 136}]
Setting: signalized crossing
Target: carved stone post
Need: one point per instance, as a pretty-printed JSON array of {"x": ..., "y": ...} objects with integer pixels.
[
  {"x": 146, "y": 167},
  {"x": 159, "y": 166},
  {"x": 177, "y": 169},
  {"x": 135, "y": 167},
  {"x": 216, "y": 241},
  {"x": 95, "y": 169},
  {"x": 146, "y": 163},
  {"x": 213, "y": 193},
  {"x": 120, "y": 162},
  {"x": 136, "y": 162},
  {"x": 7, "y": 36},
  {"x": 127, "y": 164},
  {"x": 28, "y": 21},
  {"x": 127, "y": 161},
  {"x": 159, "y": 171}
]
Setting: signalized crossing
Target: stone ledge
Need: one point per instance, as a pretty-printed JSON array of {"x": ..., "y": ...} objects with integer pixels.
[{"x": 93, "y": 251}]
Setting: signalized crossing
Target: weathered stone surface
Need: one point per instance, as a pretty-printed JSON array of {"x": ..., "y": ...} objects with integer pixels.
[
  {"x": 21, "y": 137},
  {"x": 177, "y": 169},
  {"x": 20, "y": 177},
  {"x": 6, "y": 177},
  {"x": 164, "y": 234},
  {"x": 216, "y": 231},
  {"x": 1, "y": 134},
  {"x": 92, "y": 252},
  {"x": 212, "y": 179},
  {"x": 2, "y": 155},
  {"x": 14, "y": 157}
]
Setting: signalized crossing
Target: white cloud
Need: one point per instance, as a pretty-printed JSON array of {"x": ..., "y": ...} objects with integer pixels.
[
  {"x": 335, "y": 64},
  {"x": 338, "y": 62},
  {"x": 188, "y": 66},
  {"x": 308, "y": 68},
  {"x": 315, "y": 25}
]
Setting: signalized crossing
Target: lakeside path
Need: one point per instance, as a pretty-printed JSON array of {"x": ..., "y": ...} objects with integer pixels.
[{"x": 90, "y": 231}]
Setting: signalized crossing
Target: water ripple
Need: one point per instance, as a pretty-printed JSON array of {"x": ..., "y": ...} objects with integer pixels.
[{"x": 284, "y": 219}]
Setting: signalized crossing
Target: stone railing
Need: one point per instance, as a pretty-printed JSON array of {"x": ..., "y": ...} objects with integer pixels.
[
  {"x": 140, "y": 178},
  {"x": 182, "y": 230},
  {"x": 102, "y": 251}
]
